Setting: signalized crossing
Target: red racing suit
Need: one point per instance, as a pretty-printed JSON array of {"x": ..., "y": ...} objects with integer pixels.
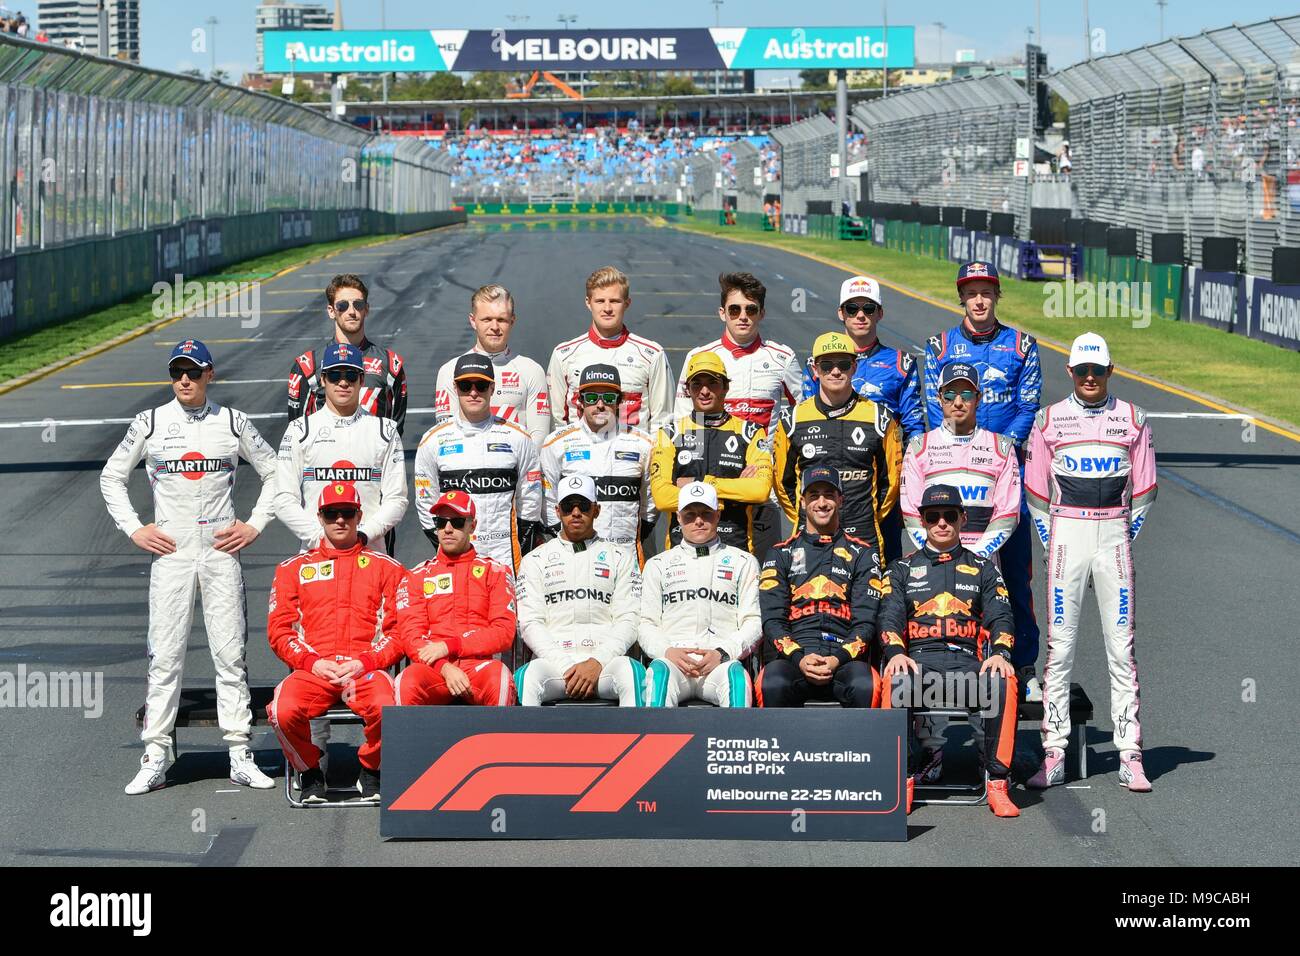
[
  {"x": 333, "y": 605},
  {"x": 647, "y": 381},
  {"x": 468, "y": 603}
]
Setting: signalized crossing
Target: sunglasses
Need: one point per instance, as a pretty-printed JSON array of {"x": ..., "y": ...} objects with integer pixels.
[
  {"x": 343, "y": 305},
  {"x": 441, "y": 521},
  {"x": 334, "y": 514},
  {"x": 179, "y": 372},
  {"x": 949, "y": 516},
  {"x": 967, "y": 394},
  {"x": 826, "y": 366},
  {"x": 582, "y": 504},
  {"x": 336, "y": 375},
  {"x": 1088, "y": 368},
  {"x": 852, "y": 308},
  {"x": 473, "y": 385},
  {"x": 750, "y": 310},
  {"x": 609, "y": 398}
]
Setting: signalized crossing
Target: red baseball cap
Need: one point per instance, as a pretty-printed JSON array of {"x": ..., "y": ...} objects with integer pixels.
[
  {"x": 339, "y": 493},
  {"x": 457, "y": 502}
]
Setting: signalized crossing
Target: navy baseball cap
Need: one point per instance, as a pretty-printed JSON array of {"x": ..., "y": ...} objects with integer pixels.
[
  {"x": 192, "y": 350},
  {"x": 958, "y": 372},
  {"x": 825, "y": 473},
  {"x": 342, "y": 355},
  {"x": 970, "y": 271},
  {"x": 600, "y": 376},
  {"x": 474, "y": 365},
  {"x": 941, "y": 496}
]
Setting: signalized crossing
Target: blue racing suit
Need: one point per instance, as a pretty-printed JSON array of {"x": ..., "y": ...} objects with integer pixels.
[{"x": 1010, "y": 385}]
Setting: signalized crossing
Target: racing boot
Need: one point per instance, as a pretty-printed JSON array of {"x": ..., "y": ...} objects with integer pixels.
[
  {"x": 1027, "y": 678},
  {"x": 1000, "y": 799},
  {"x": 311, "y": 783},
  {"x": 152, "y": 774},
  {"x": 368, "y": 785},
  {"x": 931, "y": 766},
  {"x": 1131, "y": 773},
  {"x": 1052, "y": 772},
  {"x": 245, "y": 772}
]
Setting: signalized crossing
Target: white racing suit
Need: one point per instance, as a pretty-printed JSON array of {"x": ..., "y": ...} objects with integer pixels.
[
  {"x": 703, "y": 596},
  {"x": 579, "y": 601},
  {"x": 190, "y": 457},
  {"x": 1090, "y": 478},
  {"x": 618, "y": 459},
  {"x": 520, "y": 396}
]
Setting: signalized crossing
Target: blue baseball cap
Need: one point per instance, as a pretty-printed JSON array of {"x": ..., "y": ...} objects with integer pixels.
[
  {"x": 958, "y": 372},
  {"x": 941, "y": 496},
  {"x": 342, "y": 355},
  {"x": 970, "y": 271},
  {"x": 823, "y": 473},
  {"x": 192, "y": 350}
]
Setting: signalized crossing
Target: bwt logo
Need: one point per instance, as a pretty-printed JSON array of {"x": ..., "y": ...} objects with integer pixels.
[
  {"x": 1058, "y": 606},
  {"x": 1091, "y": 465},
  {"x": 1123, "y": 606},
  {"x": 974, "y": 493},
  {"x": 604, "y": 770}
]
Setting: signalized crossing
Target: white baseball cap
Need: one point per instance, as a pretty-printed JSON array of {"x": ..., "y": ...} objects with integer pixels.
[
  {"x": 1089, "y": 347},
  {"x": 697, "y": 493},
  {"x": 860, "y": 287},
  {"x": 571, "y": 485}
]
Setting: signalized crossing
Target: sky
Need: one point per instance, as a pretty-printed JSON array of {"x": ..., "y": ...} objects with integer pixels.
[{"x": 166, "y": 27}]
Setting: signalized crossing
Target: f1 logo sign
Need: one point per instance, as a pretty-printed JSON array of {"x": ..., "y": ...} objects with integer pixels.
[{"x": 604, "y": 770}]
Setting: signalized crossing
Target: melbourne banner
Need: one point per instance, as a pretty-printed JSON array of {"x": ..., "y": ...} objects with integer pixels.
[
  {"x": 722, "y": 48},
  {"x": 468, "y": 773}
]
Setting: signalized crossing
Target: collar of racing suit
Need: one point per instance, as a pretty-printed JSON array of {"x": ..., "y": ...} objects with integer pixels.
[
  {"x": 822, "y": 540},
  {"x": 711, "y": 419},
  {"x": 870, "y": 350},
  {"x": 343, "y": 421},
  {"x": 702, "y": 550},
  {"x": 955, "y": 437},
  {"x": 1090, "y": 406},
  {"x": 598, "y": 339},
  {"x": 979, "y": 338},
  {"x": 577, "y": 547},
  {"x": 198, "y": 413},
  {"x": 442, "y": 557},
  {"x": 498, "y": 358},
  {"x": 738, "y": 350},
  {"x": 835, "y": 411},
  {"x": 335, "y": 553},
  {"x": 936, "y": 556}
]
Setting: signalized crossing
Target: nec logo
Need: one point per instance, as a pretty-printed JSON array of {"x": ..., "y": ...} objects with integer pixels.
[{"x": 604, "y": 770}]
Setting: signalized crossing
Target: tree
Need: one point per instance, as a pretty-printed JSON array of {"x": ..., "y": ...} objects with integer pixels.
[
  {"x": 486, "y": 86},
  {"x": 1060, "y": 108},
  {"x": 679, "y": 86},
  {"x": 815, "y": 79}
]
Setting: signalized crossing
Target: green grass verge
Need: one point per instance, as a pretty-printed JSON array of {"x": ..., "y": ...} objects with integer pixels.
[
  {"x": 32, "y": 350},
  {"x": 1238, "y": 370}
]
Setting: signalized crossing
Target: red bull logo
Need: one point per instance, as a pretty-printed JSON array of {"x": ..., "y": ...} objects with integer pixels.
[
  {"x": 820, "y": 588},
  {"x": 941, "y": 605}
]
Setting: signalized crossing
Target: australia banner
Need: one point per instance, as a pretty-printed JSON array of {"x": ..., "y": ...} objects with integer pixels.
[{"x": 721, "y": 48}]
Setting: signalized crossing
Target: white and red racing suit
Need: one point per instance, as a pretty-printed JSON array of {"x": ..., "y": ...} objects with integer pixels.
[
  {"x": 1090, "y": 477},
  {"x": 383, "y": 384},
  {"x": 645, "y": 378},
  {"x": 520, "y": 396}
]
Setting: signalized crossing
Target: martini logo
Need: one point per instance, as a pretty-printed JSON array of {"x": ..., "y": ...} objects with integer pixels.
[
  {"x": 605, "y": 771},
  {"x": 194, "y": 466},
  {"x": 345, "y": 471}
]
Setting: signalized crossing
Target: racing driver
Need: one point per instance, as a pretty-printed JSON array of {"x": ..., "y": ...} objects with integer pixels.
[
  {"x": 820, "y": 592},
  {"x": 642, "y": 364},
  {"x": 579, "y": 598},
  {"x": 1090, "y": 478},
  {"x": 699, "y": 611},
  {"x": 1011, "y": 380},
  {"x": 192, "y": 446},
  {"x": 520, "y": 396}
]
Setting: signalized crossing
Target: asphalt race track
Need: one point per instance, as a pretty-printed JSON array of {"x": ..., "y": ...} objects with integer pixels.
[{"x": 1216, "y": 574}]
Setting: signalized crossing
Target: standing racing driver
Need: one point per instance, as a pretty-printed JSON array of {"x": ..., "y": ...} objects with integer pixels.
[
  {"x": 1090, "y": 478},
  {"x": 192, "y": 446}
]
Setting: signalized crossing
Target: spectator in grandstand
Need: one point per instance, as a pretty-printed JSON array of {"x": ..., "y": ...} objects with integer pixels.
[
  {"x": 616, "y": 457},
  {"x": 579, "y": 597},
  {"x": 1063, "y": 163},
  {"x": 762, "y": 378},
  {"x": 647, "y": 383},
  {"x": 519, "y": 395},
  {"x": 383, "y": 385},
  {"x": 820, "y": 592},
  {"x": 945, "y": 610},
  {"x": 699, "y": 611},
  {"x": 492, "y": 460},
  {"x": 727, "y": 452},
  {"x": 842, "y": 428},
  {"x": 333, "y": 621},
  {"x": 1011, "y": 382},
  {"x": 192, "y": 446},
  {"x": 456, "y": 611}
]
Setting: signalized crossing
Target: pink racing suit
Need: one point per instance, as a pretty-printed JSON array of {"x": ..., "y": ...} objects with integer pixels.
[
  {"x": 982, "y": 466},
  {"x": 1090, "y": 477}
]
